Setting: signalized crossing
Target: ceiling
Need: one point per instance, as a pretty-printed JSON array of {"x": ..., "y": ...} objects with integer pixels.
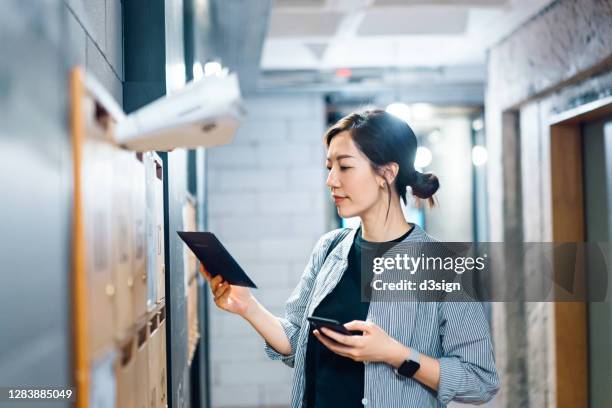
[{"x": 326, "y": 35}]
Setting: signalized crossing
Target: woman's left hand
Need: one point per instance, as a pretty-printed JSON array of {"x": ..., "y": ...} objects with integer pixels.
[{"x": 375, "y": 345}]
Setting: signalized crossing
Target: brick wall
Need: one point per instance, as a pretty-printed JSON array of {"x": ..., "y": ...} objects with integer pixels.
[{"x": 267, "y": 203}]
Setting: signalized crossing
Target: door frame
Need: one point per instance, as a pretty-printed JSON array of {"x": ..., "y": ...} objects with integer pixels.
[{"x": 566, "y": 180}]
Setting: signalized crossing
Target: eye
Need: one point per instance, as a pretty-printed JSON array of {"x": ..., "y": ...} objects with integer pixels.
[{"x": 342, "y": 168}]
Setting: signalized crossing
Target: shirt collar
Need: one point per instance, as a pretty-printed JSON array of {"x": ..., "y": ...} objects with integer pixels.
[{"x": 342, "y": 252}]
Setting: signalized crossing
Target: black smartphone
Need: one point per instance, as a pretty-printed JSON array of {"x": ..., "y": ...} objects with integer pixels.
[{"x": 318, "y": 322}]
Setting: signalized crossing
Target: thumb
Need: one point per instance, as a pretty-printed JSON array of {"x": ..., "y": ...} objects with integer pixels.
[{"x": 358, "y": 325}]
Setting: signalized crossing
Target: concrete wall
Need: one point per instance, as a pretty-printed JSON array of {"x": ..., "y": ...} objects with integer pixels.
[
  {"x": 266, "y": 202},
  {"x": 95, "y": 32},
  {"x": 557, "y": 60}
]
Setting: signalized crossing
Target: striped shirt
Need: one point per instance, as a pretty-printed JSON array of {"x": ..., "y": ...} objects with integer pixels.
[{"x": 455, "y": 333}]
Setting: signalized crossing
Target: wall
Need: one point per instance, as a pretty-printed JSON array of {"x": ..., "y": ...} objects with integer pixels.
[
  {"x": 451, "y": 220},
  {"x": 35, "y": 174},
  {"x": 559, "y": 59},
  {"x": 41, "y": 41},
  {"x": 267, "y": 205},
  {"x": 151, "y": 35},
  {"x": 96, "y": 40}
]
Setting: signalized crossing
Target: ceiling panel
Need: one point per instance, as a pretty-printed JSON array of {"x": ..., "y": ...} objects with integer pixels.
[
  {"x": 413, "y": 21},
  {"x": 307, "y": 24},
  {"x": 397, "y": 33}
]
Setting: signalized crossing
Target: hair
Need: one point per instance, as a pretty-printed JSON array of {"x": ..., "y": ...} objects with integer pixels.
[{"x": 383, "y": 138}]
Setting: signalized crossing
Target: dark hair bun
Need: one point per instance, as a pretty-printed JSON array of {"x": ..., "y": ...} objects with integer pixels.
[{"x": 424, "y": 185}]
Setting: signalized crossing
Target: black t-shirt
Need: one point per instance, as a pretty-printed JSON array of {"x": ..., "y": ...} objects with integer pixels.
[{"x": 332, "y": 380}]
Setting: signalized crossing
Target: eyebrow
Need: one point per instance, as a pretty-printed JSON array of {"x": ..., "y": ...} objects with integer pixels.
[{"x": 343, "y": 156}]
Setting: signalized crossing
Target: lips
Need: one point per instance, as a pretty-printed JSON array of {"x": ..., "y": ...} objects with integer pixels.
[{"x": 339, "y": 199}]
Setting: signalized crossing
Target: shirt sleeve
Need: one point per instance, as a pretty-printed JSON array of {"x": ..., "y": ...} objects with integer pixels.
[
  {"x": 467, "y": 369},
  {"x": 296, "y": 304}
]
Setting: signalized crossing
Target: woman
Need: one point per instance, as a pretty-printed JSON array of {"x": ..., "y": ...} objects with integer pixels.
[{"x": 410, "y": 354}]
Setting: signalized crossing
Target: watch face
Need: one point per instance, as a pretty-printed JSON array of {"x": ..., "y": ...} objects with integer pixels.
[{"x": 408, "y": 368}]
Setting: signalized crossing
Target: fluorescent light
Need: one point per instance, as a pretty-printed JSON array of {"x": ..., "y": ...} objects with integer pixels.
[
  {"x": 422, "y": 158},
  {"x": 479, "y": 155},
  {"x": 401, "y": 110}
]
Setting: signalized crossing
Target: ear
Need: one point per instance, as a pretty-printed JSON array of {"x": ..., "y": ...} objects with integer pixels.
[{"x": 389, "y": 172}]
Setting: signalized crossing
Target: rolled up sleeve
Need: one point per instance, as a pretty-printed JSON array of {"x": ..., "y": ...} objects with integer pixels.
[
  {"x": 467, "y": 368},
  {"x": 292, "y": 332},
  {"x": 296, "y": 304}
]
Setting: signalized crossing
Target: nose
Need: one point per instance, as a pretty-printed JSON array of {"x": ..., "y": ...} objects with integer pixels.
[{"x": 332, "y": 181}]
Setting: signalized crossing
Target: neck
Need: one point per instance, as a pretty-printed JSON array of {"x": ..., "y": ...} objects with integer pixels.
[{"x": 374, "y": 227}]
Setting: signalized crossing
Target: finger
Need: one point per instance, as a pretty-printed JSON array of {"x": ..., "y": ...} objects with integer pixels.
[
  {"x": 365, "y": 327},
  {"x": 220, "y": 295},
  {"x": 216, "y": 281},
  {"x": 207, "y": 275},
  {"x": 224, "y": 299},
  {"x": 221, "y": 289},
  {"x": 338, "y": 337},
  {"x": 333, "y": 346}
]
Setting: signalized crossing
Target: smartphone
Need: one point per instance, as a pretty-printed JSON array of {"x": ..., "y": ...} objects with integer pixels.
[{"x": 318, "y": 322}]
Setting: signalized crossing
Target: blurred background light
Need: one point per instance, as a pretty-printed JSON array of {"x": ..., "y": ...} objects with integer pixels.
[
  {"x": 401, "y": 110},
  {"x": 422, "y": 158},
  {"x": 344, "y": 73},
  {"x": 212, "y": 68},
  {"x": 434, "y": 137},
  {"x": 198, "y": 71},
  {"x": 479, "y": 155},
  {"x": 422, "y": 111},
  {"x": 477, "y": 125}
]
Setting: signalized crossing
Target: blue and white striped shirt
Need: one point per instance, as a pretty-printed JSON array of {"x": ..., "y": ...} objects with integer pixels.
[{"x": 455, "y": 333}]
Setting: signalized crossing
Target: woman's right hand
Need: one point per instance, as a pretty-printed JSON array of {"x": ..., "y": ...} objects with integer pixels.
[{"x": 231, "y": 298}]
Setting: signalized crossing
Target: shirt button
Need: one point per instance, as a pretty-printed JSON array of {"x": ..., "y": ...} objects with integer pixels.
[{"x": 364, "y": 401}]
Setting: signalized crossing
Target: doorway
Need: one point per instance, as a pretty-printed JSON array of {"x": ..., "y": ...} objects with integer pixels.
[
  {"x": 581, "y": 175},
  {"x": 597, "y": 176}
]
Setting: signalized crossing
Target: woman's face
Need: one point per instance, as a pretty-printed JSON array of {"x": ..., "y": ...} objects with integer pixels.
[{"x": 354, "y": 185}]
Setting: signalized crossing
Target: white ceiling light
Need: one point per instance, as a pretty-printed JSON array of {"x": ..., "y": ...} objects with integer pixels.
[
  {"x": 422, "y": 111},
  {"x": 477, "y": 124},
  {"x": 479, "y": 155},
  {"x": 422, "y": 158},
  {"x": 401, "y": 110}
]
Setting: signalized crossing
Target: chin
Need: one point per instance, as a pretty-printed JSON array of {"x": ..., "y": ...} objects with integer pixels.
[{"x": 346, "y": 213}]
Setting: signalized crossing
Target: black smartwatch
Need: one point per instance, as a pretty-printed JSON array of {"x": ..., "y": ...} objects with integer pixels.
[{"x": 411, "y": 365}]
